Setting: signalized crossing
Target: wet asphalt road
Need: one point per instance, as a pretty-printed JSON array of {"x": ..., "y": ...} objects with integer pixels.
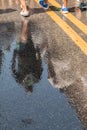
[
  {"x": 36, "y": 107},
  {"x": 36, "y": 59}
]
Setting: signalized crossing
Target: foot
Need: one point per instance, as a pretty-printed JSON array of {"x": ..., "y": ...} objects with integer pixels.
[
  {"x": 83, "y": 5},
  {"x": 24, "y": 13},
  {"x": 44, "y": 5},
  {"x": 64, "y": 10}
]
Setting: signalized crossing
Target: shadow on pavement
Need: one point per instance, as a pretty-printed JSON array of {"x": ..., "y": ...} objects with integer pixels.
[{"x": 6, "y": 10}]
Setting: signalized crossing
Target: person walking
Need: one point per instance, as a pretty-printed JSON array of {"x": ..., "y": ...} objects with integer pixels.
[{"x": 82, "y": 4}]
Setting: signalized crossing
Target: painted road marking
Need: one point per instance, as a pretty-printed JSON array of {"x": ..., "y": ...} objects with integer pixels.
[
  {"x": 73, "y": 19},
  {"x": 69, "y": 31}
]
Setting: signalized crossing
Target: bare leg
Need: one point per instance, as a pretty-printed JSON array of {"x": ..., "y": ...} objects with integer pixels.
[
  {"x": 65, "y": 3},
  {"x": 64, "y": 7},
  {"x": 10, "y": 3},
  {"x": 3, "y": 4},
  {"x": 24, "y": 6},
  {"x": 25, "y": 10}
]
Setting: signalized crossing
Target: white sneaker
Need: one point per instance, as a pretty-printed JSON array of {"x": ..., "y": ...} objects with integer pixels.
[{"x": 24, "y": 13}]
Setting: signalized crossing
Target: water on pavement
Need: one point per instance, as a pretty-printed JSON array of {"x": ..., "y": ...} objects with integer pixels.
[{"x": 27, "y": 99}]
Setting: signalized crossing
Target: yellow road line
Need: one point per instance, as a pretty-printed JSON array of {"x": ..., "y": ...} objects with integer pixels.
[
  {"x": 73, "y": 19},
  {"x": 69, "y": 31}
]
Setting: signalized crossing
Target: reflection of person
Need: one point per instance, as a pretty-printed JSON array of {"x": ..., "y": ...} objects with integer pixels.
[
  {"x": 78, "y": 13},
  {"x": 51, "y": 71},
  {"x": 26, "y": 62}
]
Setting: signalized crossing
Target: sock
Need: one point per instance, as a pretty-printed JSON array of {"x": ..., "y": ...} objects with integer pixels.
[{"x": 41, "y": 0}]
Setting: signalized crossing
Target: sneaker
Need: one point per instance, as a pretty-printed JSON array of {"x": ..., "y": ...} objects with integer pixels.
[
  {"x": 83, "y": 5},
  {"x": 64, "y": 10},
  {"x": 44, "y": 5},
  {"x": 24, "y": 13}
]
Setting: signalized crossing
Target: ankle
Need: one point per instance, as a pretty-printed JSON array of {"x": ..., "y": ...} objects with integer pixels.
[{"x": 63, "y": 6}]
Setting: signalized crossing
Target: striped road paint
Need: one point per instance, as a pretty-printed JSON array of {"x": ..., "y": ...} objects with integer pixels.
[{"x": 68, "y": 30}]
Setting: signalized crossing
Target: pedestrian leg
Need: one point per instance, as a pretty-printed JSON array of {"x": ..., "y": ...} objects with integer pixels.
[
  {"x": 24, "y": 7},
  {"x": 64, "y": 6}
]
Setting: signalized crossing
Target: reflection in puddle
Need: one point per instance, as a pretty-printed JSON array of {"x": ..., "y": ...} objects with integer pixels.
[
  {"x": 1, "y": 57},
  {"x": 67, "y": 71},
  {"x": 27, "y": 121},
  {"x": 26, "y": 68},
  {"x": 26, "y": 61},
  {"x": 78, "y": 13}
]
